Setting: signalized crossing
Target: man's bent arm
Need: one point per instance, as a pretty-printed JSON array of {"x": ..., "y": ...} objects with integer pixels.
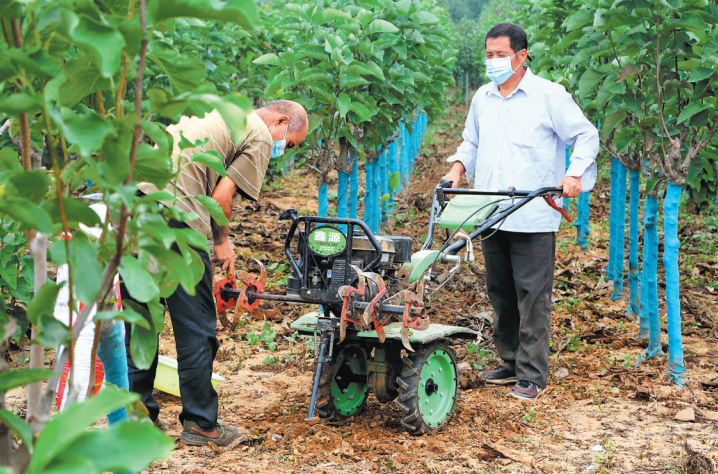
[
  {"x": 574, "y": 129},
  {"x": 223, "y": 251}
]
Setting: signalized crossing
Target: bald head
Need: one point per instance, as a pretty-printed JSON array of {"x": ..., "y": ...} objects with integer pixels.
[{"x": 285, "y": 119}]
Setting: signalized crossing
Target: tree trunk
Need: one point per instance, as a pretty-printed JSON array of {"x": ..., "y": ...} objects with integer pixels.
[
  {"x": 676, "y": 366},
  {"x": 634, "y": 276}
]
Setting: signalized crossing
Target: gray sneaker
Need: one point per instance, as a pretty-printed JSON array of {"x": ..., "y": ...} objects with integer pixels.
[
  {"x": 193, "y": 435},
  {"x": 525, "y": 390}
]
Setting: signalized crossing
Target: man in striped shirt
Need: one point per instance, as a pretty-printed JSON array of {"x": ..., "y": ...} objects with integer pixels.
[{"x": 270, "y": 130}]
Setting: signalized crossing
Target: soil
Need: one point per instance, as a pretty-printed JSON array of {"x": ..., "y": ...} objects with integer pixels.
[{"x": 600, "y": 413}]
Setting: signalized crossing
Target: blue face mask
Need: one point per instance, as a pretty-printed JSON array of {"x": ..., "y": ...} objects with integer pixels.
[
  {"x": 499, "y": 69},
  {"x": 279, "y": 146}
]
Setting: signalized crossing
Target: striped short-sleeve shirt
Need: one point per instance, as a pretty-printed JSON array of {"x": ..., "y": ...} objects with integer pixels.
[{"x": 245, "y": 162}]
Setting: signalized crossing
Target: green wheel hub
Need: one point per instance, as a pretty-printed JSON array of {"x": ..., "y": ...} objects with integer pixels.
[
  {"x": 437, "y": 388},
  {"x": 349, "y": 380}
]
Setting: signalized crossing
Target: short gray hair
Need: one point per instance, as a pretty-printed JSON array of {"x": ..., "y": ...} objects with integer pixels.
[{"x": 296, "y": 113}]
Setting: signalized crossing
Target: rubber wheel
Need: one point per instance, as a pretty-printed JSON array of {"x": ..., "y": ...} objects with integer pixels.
[
  {"x": 343, "y": 387},
  {"x": 428, "y": 388}
]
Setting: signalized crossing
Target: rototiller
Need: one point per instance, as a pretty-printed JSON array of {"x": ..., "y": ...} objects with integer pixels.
[{"x": 372, "y": 333}]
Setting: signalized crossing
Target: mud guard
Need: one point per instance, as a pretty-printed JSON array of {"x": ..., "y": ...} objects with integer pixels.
[{"x": 308, "y": 324}]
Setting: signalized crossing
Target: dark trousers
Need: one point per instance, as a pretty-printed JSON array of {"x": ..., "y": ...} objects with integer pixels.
[
  {"x": 519, "y": 279},
  {"x": 194, "y": 320}
]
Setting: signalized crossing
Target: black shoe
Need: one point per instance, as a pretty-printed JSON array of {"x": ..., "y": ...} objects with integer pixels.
[
  {"x": 500, "y": 376},
  {"x": 193, "y": 435}
]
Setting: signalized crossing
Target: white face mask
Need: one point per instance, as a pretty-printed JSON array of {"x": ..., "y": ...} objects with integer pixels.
[
  {"x": 278, "y": 147},
  {"x": 499, "y": 69}
]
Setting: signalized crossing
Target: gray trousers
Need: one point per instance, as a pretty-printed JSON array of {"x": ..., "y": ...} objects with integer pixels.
[{"x": 519, "y": 279}]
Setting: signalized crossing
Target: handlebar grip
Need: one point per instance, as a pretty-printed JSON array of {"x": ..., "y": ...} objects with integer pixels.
[{"x": 440, "y": 190}]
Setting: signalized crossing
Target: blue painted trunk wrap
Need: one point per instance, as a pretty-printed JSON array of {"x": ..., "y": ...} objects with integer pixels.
[
  {"x": 634, "y": 276},
  {"x": 393, "y": 167},
  {"x": 342, "y": 192},
  {"x": 323, "y": 201},
  {"x": 581, "y": 223},
  {"x": 567, "y": 201},
  {"x": 383, "y": 185},
  {"x": 111, "y": 352},
  {"x": 676, "y": 367},
  {"x": 376, "y": 200},
  {"x": 353, "y": 188},
  {"x": 619, "y": 245},
  {"x": 368, "y": 208},
  {"x": 650, "y": 321},
  {"x": 612, "y": 220}
]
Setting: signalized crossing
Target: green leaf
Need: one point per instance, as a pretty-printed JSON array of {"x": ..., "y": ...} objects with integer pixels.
[
  {"x": 326, "y": 15},
  {"x": 403, "y": 7},
  {"x": 21, "y": 377},
  {"x": 581, "y": 18},
  {"x": 43, "y": 303},
  {"x": 651, "y": 185},
  {"x": 394, "y": 181},
  {"x": 192, "y": 238},
  {"x": 104, "y": 42},
  {"x": 81, "y": 78},
  {"x": 240, "y": 12},
  {"x": 138, "y": 281},
  {"x": 21, "y": 102},
  {"x": 269, "y": 59},
  {"x": 65, "y": 427},
  {"x": 87, "y": 131},
  {"x": 381, "y": 26},
  {"x": 385, "y": 197},
  {"x": 424, "y": 18},
  {"x": 694, "y": 170},
  {"x": 108, "y": 448},
  {"x": 611, "y": 122},
  {"x": 143, "y": 346},
  {"x": 32, "y": 184},
  {"x": 234, "y": 109},
  {"x": 126, "y": 315},
  {"x": 27, "y": 213},
  {"x": 344, "y": 103},
  {"x": 376, "y": 70},
  {"x": 213, "y": 208},
  {"x": 590, "y": 79},
  {"x": 348, "y": 81},
  {"x": 76, "y": 212},
  {"x": 700, "y": 73},
  {"x": 17, "y": 425},
  {"x": 86, "y": 270},
  {"x": 362, "y": 111},
  {"x": 184, "y": 72},
  {"x": 365, "y": 16},
  {"x": 211, "y": 160},
  {"x": 690, "y": 110}
]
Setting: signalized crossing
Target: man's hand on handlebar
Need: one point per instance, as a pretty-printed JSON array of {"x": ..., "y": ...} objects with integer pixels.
[
  {"x": 457, "y": 169},
  {"x": 571, "y": 186}
]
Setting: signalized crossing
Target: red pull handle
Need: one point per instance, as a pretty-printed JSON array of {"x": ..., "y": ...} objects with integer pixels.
[{"x": 549, "y": 200}]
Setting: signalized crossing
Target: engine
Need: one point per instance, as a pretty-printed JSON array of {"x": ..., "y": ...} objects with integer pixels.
[{"x": 323, "y": 258}]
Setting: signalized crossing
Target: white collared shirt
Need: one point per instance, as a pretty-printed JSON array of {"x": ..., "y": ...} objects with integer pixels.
[{"x": 520, "y": 142}]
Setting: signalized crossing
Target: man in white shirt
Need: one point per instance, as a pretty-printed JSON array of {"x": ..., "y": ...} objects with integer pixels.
[{"x": 515, "y": 136}]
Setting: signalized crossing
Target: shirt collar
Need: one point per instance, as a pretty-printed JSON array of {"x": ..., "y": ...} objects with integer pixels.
[{"x": 525, "y": 85}]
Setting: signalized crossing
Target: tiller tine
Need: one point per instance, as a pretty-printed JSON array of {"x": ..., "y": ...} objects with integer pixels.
[
  {"x": 222, "y": 305},
  {"x": 348, "y": 293},
  {"x": 412, "y": 304},
  {"x": 376, "y": 292},
  {"x": 252, "y": 285}
]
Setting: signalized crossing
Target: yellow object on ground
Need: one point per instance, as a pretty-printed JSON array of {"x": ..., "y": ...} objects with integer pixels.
[{"x": 167, "y": 378}]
